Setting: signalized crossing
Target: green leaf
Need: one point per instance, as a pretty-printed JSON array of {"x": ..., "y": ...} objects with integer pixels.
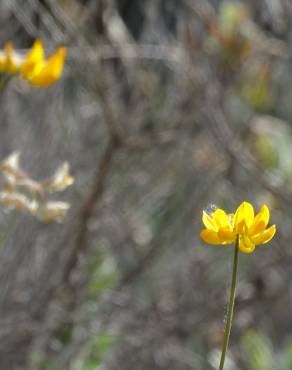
[{"x": 258, "y": 351}]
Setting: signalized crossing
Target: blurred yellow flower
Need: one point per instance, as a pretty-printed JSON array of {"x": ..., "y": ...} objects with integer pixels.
[
  {"x": 33, "y": 67},
  {"x": 222, "y": 228},
  {"x": 9, "y": 62}
]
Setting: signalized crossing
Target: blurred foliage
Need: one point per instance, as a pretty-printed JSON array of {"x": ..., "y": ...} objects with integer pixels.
[
  {"x": 231, "y": 36},
  {"x": 256, "y": 88},
  {"x": 98, "y": 349},
  {"x": 260, "y": 355},
  {"x": 257, "y": 351}
]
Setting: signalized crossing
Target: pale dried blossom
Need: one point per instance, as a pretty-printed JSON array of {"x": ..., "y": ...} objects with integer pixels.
[
  {"x": 23, "y": 193},
  {"x": 52, "y": 211},
  {"x": 12, "y": 161},
  {"x": 10, "y": 169},
  {"x": 17, "y": 201},
  {"x": 60, "y": 181}
]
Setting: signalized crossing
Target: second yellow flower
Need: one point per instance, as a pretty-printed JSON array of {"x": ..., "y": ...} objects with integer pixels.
[{"x": 222, "y": 228}]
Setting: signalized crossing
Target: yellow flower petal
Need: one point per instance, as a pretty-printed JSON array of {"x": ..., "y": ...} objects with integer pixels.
[
  {"x": 261, "y": 221},
  {"x": 226, "y": 235},
  {"x": 2, "y": 61},
  {"x": 245, "y": 244},
  {"x": 12, "y": 62},
  {"x": 244, "y": 217},
  {"x": 264, "y": 236},
  {"x": 221, "y": 219},
  {"x": 51, "y": 71},
  {"x": 34, "y": 60},
  {"x": 209, "y": 222},
  {"x": 210, "y": 237}
]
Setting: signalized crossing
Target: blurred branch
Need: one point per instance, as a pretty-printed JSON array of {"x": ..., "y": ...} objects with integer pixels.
[
  {"x": 26, "y": 17},
  {"x": 89, "y": 205},
  {"x": 170, "y": 53}
]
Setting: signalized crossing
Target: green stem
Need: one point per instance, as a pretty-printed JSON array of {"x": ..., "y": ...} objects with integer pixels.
[
  {"x": 4, "y": 81},
  {"x": 230, "y": 305}
]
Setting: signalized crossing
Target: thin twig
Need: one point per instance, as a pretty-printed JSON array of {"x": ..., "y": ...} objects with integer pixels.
[{"x": 89, "y": 205}]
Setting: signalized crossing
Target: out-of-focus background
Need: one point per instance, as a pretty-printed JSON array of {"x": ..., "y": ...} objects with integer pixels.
[{"x": 165, "y": 107}]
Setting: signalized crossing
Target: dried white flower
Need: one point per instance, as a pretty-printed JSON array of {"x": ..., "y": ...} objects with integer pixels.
[
  {"x": 23, "y": 193},
  {"x": 52, "y": 211},
  {"x": 10, "y": 168},
  {"x": 61, "y": 180},
  {"x": 12, "y": 160},
  {"x": 17, "y": 201}
]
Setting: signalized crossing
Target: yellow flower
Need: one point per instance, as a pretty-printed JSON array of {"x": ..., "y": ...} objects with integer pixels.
[
  {"x": 33, "y": 67},
  {"x": 43, "y": 72},
  {"x": 9, "y": 61},
  {"x": 222, "y": 228}
]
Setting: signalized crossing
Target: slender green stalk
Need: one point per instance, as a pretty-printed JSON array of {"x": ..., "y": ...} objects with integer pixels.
[
  {"x": 230, "y": 305},
  {"x": 4, "y": 81}
]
